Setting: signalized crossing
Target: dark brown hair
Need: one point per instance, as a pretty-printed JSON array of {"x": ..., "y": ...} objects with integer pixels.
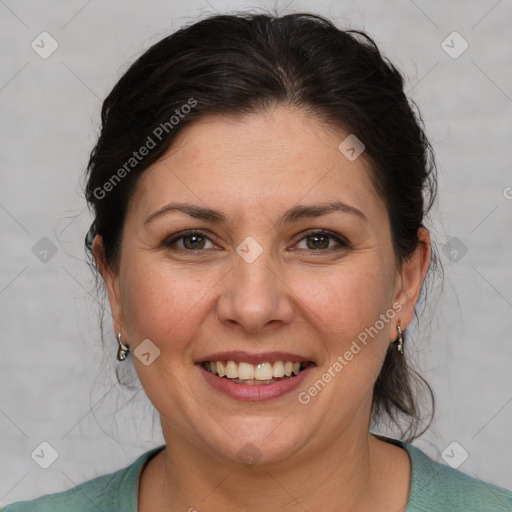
[{"x": 247, "y": 63}]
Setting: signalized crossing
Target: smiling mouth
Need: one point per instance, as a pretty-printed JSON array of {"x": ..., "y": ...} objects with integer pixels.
[{"x": 256, "y": 374}]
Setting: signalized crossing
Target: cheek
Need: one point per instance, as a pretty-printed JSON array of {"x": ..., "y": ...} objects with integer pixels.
[
  {"x": 161, "y": 303},
  {"x": 345, "y": 308},
  {"x": 346, "y": 301}
]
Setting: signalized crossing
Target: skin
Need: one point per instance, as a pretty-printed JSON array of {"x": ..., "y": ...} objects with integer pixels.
[{"x": 293, "y": 298}]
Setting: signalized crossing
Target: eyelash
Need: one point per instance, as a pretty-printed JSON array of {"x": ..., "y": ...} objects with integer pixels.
[{"x": 343, "y": 243}]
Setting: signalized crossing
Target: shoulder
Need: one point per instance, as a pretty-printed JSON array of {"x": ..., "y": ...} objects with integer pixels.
[
  {"x": 435, "y": 486},
  {"x": 88, "y": 496},
  {"x": 115, "y": 491}
]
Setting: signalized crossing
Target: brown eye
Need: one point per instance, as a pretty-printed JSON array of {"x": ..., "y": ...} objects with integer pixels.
[
  {"x": 191, "y": 241},
  {"x": 318, "y": 242},
  {"x": 322, "y": 241}
]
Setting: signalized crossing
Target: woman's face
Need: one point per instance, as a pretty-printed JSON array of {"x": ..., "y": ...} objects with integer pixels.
[{"x": 257, "y": 282}]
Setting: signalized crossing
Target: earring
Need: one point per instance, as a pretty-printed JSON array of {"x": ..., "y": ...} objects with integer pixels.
[
  {"x": 400, "y": 340},
  {"x": 123, "y": 350}
]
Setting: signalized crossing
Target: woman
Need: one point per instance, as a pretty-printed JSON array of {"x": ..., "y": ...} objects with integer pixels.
[{"x": 260, "y": 187}]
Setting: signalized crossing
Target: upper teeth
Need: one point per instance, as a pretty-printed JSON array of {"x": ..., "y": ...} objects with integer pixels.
[{"x": 260, "y": 371}]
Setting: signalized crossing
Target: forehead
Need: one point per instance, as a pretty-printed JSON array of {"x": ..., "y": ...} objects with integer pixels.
[{"x": 258, "y": 162}]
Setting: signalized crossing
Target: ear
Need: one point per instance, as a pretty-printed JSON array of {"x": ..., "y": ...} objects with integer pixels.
[
  {"x": 111, "y": 280},
  {"x": 411, "y": 276}
]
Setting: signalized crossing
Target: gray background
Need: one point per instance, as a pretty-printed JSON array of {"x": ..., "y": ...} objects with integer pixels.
[{"x": 55, "y": 384}]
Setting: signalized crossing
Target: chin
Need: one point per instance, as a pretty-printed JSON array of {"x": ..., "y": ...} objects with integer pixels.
[{"x": 259, "y": 442}]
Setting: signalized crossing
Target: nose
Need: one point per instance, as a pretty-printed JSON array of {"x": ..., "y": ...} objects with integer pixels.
[{"x": 254, "y": 295}]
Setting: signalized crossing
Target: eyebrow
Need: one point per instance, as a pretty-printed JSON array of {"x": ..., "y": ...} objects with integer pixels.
[{"x": 292, "y": 215}]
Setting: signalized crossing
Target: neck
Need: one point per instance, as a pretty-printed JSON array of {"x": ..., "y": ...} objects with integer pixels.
[{"x": 184, "y": 478}]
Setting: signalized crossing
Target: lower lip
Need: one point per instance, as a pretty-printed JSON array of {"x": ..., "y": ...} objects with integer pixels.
[{"x": 256, "y": 392}]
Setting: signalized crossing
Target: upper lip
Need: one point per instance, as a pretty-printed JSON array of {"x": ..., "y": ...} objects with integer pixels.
[{"x": 254, "y": 358}]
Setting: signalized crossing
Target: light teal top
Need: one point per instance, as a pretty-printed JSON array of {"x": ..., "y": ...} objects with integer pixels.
[{"x": 434, "y": 488}]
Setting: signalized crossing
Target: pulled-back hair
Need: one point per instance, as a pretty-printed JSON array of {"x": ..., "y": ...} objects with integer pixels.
[{"x": 247, "y": 63}]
